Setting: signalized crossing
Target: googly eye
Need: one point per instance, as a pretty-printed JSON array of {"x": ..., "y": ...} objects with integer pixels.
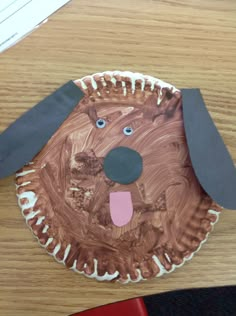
[
  {"x": 101, "y": 123},
  {"x": 128, "y": 131}
]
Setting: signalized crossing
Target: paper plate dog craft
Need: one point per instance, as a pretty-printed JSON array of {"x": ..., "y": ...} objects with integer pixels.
[{"x": 113, "y": 194}]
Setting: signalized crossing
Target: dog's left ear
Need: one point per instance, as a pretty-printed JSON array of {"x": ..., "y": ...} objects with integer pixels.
[{"x": 210, "y": 158}]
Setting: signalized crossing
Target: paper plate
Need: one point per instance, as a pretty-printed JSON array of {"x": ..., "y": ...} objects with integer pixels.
[{"x": 113, "y": 194}]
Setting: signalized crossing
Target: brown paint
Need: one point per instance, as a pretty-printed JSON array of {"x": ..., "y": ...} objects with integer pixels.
[{"x": 170, "y": 207}]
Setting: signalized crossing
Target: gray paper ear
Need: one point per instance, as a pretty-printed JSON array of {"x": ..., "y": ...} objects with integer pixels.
[
  {"x": 25, "y": 137},
  {"x": 210, "y": 158}
]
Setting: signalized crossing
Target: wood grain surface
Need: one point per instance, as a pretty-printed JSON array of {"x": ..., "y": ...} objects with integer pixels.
[{"x": 189, "y": 43}]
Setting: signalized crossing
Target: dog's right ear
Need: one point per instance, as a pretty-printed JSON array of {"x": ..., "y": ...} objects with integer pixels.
[{"x": 210, "y": 158}]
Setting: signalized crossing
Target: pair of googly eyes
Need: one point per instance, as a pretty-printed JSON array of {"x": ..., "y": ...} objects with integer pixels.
[{"x": 101, "y": 123}]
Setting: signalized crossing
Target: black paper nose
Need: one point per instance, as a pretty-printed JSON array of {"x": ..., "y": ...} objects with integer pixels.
[{"x": 123, "y": 165}]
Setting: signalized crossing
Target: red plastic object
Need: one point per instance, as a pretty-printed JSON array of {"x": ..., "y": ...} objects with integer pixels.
[{"x": 134, "y": 307}]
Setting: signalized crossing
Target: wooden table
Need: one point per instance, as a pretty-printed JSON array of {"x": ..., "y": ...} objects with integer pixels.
[{"x": 187, "y": 43}]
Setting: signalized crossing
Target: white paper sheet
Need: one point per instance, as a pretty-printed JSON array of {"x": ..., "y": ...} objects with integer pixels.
[{"x": 20, "y": 17}]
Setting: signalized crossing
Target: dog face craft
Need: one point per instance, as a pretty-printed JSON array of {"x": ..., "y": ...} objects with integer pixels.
[{"x": 113, "y": 195}]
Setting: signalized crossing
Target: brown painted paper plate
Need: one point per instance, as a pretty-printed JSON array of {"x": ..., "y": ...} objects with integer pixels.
[{"x": 113, "y": 194}]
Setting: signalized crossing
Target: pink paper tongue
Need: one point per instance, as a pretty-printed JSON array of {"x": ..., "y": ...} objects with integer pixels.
[{"x": 121, "y": 208}]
